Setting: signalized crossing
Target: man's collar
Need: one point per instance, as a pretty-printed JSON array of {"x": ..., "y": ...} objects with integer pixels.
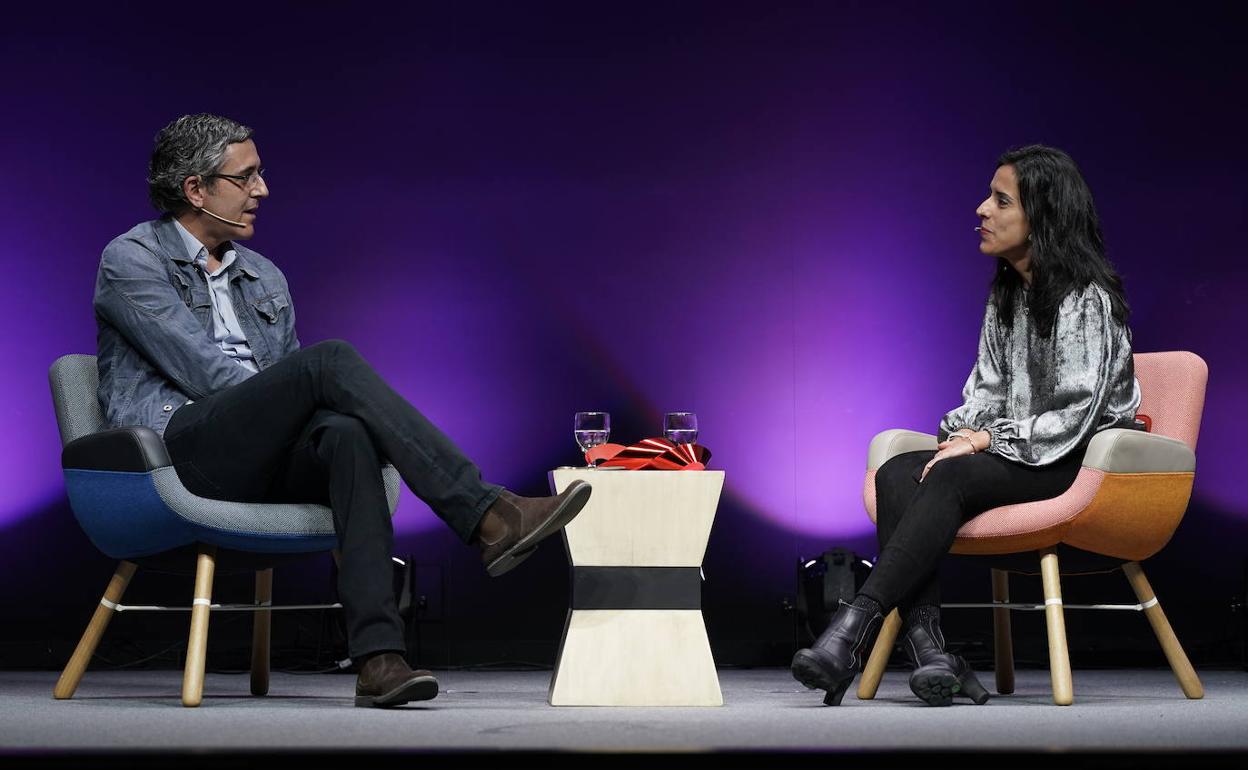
[
  {"x": 167, "y": 232},
  {"x": 183, "y": 247},
  {"x": 191, "y": 245}
]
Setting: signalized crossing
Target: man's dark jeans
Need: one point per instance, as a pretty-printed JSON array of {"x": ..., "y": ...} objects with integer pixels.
[{"x": 316, "y": 427}]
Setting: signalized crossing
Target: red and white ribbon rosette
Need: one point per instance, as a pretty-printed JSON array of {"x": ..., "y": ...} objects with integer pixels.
[{"x": 655, "y": 454}]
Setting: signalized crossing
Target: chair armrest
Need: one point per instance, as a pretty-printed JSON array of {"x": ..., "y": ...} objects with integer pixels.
[
  {"x": 1125, "y": 450},
  {"x": 134, "y": 449},
  {"x": 891, "y": 443},
  {"x": 391, "y": 480}
]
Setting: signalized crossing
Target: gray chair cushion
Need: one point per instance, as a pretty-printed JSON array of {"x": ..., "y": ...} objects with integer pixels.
[{"x": 256, "y": 518}]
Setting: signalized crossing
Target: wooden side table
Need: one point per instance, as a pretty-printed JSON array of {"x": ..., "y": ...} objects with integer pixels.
[{"x": 635, "y": 634}]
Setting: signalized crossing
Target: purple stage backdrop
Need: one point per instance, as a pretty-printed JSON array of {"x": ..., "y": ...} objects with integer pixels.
[{"x": 759, "y": 212}]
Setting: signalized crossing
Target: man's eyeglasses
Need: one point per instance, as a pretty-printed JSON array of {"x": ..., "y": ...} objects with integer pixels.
[{"x": 246, "y": 180}]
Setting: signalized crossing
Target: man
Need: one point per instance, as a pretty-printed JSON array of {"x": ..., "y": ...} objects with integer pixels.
[{"x": 197, "y": 341}]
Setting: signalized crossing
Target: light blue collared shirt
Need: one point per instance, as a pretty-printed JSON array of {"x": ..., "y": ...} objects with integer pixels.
[{"x": 227, "y": 332}]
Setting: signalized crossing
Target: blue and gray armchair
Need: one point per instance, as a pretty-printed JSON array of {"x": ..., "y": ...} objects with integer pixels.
[{"x": 127, "y": 497}]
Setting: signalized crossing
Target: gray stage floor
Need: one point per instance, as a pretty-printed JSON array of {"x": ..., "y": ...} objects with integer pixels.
[{"x": 764, "y": 710}]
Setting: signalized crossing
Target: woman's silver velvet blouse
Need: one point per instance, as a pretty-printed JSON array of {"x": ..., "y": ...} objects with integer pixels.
[{"x": 1039, "y": 398}]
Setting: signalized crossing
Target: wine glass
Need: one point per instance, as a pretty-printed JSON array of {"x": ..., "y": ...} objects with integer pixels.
[
  {"x": 591, "y": 429},
  {"x": 680, "y": 427}
]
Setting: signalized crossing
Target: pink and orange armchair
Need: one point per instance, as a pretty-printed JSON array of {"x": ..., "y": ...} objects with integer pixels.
[{"x": 1126, "y": 503}]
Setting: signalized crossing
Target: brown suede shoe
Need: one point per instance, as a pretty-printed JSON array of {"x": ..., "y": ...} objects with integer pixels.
[
  {"x": 385, "y": 681},
  {"x": 528, "y": 521}
]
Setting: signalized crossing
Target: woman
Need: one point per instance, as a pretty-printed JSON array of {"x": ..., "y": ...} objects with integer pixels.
[{"x": 1054, "y": 367}]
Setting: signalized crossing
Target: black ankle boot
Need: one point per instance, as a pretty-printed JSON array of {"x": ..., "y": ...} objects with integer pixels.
[
  {"x": 830, "y": 663},
  {"x": 938, "y": 675}
]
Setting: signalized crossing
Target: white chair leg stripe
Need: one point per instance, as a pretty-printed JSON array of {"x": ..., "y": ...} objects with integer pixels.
[
  {"x": 267, "y": 606},
  {"x": 1025, "y": 606}
]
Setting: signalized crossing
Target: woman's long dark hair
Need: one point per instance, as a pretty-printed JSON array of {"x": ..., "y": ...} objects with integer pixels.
[{"x": 1067, "y": 249}]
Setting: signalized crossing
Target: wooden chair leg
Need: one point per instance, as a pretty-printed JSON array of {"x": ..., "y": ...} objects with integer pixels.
[
  {"x": 260, "y": 633},
  {"x": 1003, "y": 640},
  {"x": 873, "y": 671},
  {"x": 1055, "y": 619},
  {"x": 77, "y": 665},
  {"x": 197, "y": 643},
  {"x": 1179, "y": 663}
]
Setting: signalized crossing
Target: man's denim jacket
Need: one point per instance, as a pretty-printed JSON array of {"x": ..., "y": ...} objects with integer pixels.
[{"x": 154, "y": 319}]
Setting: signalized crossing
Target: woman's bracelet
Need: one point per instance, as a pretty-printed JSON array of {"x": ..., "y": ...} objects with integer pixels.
[{"x": 974, "y": 449}]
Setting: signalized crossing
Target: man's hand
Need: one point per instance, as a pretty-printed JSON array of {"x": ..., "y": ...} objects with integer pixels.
[{"x": 962, "y": 442}]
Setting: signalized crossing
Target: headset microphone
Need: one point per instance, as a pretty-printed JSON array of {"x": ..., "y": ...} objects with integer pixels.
[
  {"x": 223, "y": 219},
  {"x": 977, "y": 229}
]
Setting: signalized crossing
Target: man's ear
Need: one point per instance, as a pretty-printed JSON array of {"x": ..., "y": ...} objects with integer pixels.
[{"x": 193, "y": 189}]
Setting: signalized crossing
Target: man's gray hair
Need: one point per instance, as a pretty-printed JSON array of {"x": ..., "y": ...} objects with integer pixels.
[{"x": 189, "y": 146}]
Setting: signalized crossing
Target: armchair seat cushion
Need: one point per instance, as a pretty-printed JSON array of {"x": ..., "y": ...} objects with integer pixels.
[
  {"x": 1126, "y": 501},
  {"x": 1029, "y": 526},
  {"x": 129, "y": 514},
  {"x": 1124, "y": 515},
  {"x": 1016, "y": 528}
]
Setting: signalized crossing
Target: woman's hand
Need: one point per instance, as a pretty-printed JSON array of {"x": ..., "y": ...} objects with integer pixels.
[{"x": 962, "y": 442}]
